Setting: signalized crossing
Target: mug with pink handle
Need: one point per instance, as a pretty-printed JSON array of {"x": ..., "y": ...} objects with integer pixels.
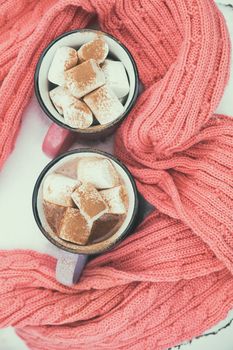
[{"x": 60, "y": 136}]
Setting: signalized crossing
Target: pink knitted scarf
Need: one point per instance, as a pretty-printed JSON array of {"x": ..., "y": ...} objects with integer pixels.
[{"x": 172, "y": 279}]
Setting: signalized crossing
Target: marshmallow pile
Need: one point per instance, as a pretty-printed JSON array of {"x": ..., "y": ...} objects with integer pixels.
[
  {"x": 90, "y": 87},
  {"x": 82, "y": 208}
]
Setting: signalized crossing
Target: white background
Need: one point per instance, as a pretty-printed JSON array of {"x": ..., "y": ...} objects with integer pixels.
[{"x": 17, "y": 180}]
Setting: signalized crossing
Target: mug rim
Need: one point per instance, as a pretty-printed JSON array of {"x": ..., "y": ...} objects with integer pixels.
[
  {"x": 38, "y": 184},
  {"x": 90, "y": 130}
]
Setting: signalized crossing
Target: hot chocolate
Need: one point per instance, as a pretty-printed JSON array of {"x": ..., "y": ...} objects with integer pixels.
[
  {"x": 85, "y": 200},
  {"x": 88, "y": 85}
]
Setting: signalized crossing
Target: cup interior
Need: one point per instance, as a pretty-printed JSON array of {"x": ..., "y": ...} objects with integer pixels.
[
  {"x": 100, "y": 246},
  {"x": 75, "y": 39}
]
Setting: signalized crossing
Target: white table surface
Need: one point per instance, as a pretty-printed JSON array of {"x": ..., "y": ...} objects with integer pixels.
[{"x": 18, "y": 178}]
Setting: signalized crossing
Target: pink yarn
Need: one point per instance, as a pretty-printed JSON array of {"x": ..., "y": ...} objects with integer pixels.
[{"x": 172, "y": 279}]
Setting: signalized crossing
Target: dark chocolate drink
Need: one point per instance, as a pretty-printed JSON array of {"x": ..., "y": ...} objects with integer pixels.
[{"x": 85, "y": 200}]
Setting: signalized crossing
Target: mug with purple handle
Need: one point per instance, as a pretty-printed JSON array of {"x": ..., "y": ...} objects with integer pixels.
[{"x": 72, "y": 257}]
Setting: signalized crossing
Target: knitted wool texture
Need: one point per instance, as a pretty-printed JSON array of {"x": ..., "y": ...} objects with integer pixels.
[{"x": 172, "y": 279}]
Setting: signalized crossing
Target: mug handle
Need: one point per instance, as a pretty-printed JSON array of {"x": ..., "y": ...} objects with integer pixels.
[
  {"x": 57, "y": 140},
  {"x": 69, "y": 267}
]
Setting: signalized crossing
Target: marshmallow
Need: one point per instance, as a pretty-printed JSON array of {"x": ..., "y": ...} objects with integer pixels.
[
  {"x": 89, "y": 202},
  {"x": 115, "y": 198},
  {"x": 84, "y": 78},
  {"x": 97, "y": 49},
  {"x": 100, "y": 172},
  {"x": 74, "y": 227},
  {"x": 104, "y": 104},
  {"x": 64, "y": 59},
  {"x": 76, "y": 113},
  {"x": 116, "y": 77},
  {"x": 105, "y": 227},
  {"x": 68, "y": 168},
  {"x": 57, "y": 189},
  {"x": 61, "y": 98},
  {"x": 53, "y": 214}
]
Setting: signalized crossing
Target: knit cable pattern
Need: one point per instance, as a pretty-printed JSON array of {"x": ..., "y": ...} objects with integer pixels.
[{"x": 171, "y": 279}]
